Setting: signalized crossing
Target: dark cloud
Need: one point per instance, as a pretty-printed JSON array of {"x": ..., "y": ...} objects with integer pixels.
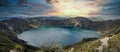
[
  {"x": 113, "y": 7},
  {"x": 41, "y": 7}
]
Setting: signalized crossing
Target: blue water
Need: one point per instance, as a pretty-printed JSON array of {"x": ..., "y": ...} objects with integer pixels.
[{"x": 64, "y": 36}]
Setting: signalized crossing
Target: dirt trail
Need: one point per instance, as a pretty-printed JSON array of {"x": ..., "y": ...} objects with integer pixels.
[
  {"x": 71, "y": 49},
  {"x": 13, "y": 50},
  {"x": 104, "y": 43}
]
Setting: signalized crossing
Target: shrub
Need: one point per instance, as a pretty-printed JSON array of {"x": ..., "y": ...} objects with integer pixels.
[{"x": 51, "y": 47}]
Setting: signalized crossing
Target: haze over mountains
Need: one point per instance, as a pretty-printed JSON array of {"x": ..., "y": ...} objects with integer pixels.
[{"x": 108, "y": 10}]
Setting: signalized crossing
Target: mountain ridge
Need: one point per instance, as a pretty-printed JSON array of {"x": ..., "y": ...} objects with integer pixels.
[{"x": 10, "y": 28}]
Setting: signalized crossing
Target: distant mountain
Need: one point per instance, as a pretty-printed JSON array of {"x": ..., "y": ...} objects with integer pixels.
[
  {"x": 5, "y": 18},
  {"x": 96, "y": 18}
]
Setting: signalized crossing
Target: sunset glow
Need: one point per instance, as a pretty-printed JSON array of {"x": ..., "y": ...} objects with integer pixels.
[{"x": 73, "y": 8}]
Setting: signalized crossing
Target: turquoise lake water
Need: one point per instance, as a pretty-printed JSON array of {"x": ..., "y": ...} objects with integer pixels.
[{"x": 64, "y": 36}]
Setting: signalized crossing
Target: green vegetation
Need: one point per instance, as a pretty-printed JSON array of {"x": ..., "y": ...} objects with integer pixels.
[
  {"x": 5, "y": 43},
  {"x": 51, "y": 47},
  {"x": 113, "y": 44},
  {"x": 9, "y": 30},
  {"x": 89, "y": 46},
  {"x": 20, "y": 47}
]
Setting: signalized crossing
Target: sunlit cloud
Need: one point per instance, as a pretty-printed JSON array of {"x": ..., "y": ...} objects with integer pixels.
[
  {"x": 97, "y": 8},
  {"x": 76, "y": 7}
]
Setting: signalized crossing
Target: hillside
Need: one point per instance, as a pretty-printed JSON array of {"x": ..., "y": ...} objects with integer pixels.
[{"x": 10, "y": 28}]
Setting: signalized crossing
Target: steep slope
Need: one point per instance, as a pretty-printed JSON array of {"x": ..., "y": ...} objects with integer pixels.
[
  {"x": 96, "y": 45},
  {"x": 8, "y": 35},
  {"x": 10, "y": 28},
  {"x": 111, "y": 27}
]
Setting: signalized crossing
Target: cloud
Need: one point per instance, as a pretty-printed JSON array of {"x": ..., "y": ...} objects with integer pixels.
[
  {"x": 63, "y": 7},
  {"x": 111, "y": 9}
]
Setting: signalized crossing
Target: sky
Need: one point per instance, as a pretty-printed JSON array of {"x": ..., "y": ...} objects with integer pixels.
[{"x": 108, "y": 9}]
